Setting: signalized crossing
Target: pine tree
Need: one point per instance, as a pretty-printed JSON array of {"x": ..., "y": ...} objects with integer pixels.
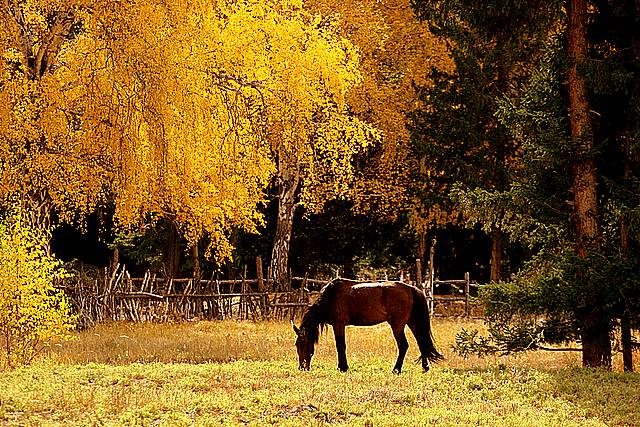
[
  {"x": 561, "y": 199},
  {"x": 457, "y": 132}
]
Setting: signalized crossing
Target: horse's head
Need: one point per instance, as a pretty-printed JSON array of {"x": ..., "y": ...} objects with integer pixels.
[{"x": 305, "y": 345}]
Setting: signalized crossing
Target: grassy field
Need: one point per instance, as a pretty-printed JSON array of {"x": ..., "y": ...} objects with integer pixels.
[{"x": 227, "y": 373}]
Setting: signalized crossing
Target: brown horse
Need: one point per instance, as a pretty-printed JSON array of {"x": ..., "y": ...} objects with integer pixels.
[{"x": 345, "y": 302}]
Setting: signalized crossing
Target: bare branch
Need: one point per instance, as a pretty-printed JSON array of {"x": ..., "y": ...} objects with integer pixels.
[{"x": 53, "y": 42}]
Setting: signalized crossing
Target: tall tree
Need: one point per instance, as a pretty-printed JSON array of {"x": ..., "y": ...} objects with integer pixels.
[
  {"x": 596, "y": 344},
  {"x": 393, "y": 49},
  {"x": 94, "y": 103},
  {"x": 489, "y": 46},
  {"x": 312, "y": 136},
  {"x": 580, "y": 280},
  {"x": 173, "y": 110},
  {"x": 45, "y": 161},
  {"x": 612, "y": 67}
]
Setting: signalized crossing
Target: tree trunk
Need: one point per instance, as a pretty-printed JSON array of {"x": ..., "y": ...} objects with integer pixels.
[
  {"x": 496, "y": 256},
  {"x": 288, "y": 182},
  {"x": 422, "y": 245},
  {"x": 626, "y": 336},
  {"x": 195, "y": 252},
  {"x": 584, "y": 169},
  {"x": 116, "y": 258},
  {"x": 502, "y": 146},
  {"x": 627, "y": 342},
  {"x": 625, "y": 320},
  {"x": 596, "y": 343},
  {"x": 173, "y": 252},
  {"x": 36, "y": 205}
]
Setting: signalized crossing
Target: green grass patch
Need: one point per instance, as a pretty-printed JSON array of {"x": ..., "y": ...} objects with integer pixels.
[{"x": 254, "y": 380}]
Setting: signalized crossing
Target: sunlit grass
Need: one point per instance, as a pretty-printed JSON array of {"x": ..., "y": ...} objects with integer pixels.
[
  {"x": 228, "y": 373},
  {"x": 225, "y": 341}
]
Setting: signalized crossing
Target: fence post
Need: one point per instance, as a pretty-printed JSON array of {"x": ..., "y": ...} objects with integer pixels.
[
  {"x": 243, "y": 309},
  {"x": 259, "y": 273},
  {"x": 467, "y": 310},
  {"x": 263, "y": 299}
]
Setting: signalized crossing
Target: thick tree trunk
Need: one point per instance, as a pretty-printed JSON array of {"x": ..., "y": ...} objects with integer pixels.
[
  {"x": 595, "y": 338},
  {"x": 596, "y": 342},
  {"x": 496, "y": 256},
  {"x": 584, "y": 169},
  {"x": 288, "y": 182}
]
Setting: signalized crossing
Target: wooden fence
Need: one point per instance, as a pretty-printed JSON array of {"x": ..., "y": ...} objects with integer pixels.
[
  {"x": 118, "y": 296},
  {"x": 445, "y": 295}
]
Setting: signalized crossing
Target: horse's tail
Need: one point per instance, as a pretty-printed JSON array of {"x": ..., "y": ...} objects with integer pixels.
[{"x": 420, "y": 318}]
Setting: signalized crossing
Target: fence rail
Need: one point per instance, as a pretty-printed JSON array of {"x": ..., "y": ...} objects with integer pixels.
[
  {"x": 441, "y": 294},
  {"x": 117, "y": 296}
]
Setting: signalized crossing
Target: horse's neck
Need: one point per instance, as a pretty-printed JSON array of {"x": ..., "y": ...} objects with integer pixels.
[
  {"x": 313, "y": 318},
  {"x": 310, "y": 322}
]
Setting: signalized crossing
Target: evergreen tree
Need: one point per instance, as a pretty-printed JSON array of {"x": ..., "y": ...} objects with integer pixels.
[
  {"x": 457, "y": 131},
  {"x": 573, "y": 190}
]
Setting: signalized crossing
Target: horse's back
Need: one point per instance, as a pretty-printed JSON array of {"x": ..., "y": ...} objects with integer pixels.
[{"x": 370, "y": 303}]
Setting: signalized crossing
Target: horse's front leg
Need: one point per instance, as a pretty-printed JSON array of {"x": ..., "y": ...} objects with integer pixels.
[{"x": 341, "y": 347}]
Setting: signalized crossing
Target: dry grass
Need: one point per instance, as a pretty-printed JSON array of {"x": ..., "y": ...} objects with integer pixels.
[
  {"x": 228, "y": 373},
  {"x": 199, "y": 342}
]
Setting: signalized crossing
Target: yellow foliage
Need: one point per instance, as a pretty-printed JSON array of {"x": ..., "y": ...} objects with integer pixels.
[
  {"x": 396, "y": 52},
  {"x": 174, "y": 109},
  {"x": 32, "y": 311},
  {"x": 42, "y": 153}
]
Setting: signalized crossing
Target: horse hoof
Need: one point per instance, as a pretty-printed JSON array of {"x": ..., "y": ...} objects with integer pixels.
[
  {"x": 343, "y": 368},
  {"x": 396, "y": 371}
]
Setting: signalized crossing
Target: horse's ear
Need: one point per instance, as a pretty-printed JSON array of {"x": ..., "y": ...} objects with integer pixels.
[{"x": 295, "y": 328}]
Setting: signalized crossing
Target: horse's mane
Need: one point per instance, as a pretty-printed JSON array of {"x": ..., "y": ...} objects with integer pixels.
[{"x": 316, "y": 317}]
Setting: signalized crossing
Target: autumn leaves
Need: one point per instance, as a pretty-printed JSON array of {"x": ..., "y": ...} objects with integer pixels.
[{"x": 175, "y": 110}]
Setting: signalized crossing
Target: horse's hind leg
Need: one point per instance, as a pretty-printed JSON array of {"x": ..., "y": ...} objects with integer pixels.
[{"x": 403, "y": 346}]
